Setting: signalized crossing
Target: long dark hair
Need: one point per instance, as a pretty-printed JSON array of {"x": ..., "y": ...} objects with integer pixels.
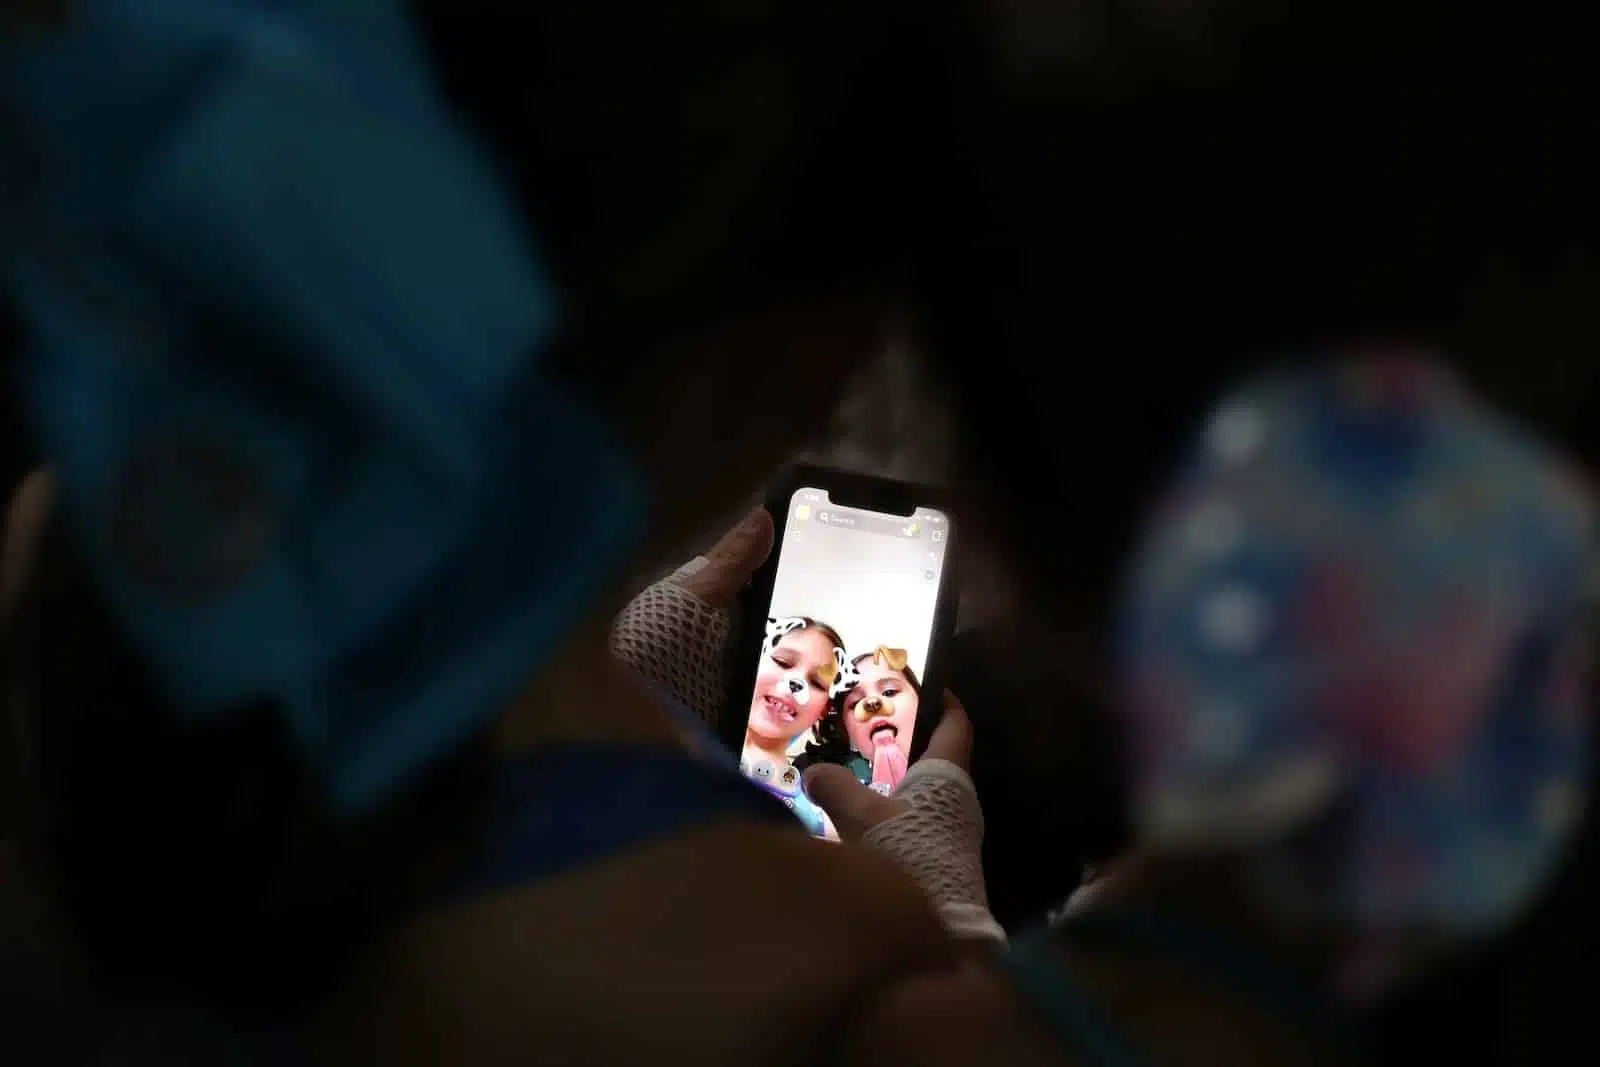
[{"x": 829, "y": 743}]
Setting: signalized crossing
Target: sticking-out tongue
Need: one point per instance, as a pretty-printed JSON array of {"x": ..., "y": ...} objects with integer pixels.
[{"x": 888, "y": 761}]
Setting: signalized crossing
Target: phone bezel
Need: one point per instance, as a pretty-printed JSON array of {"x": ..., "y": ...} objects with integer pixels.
[{"x": 851, "y": 490}]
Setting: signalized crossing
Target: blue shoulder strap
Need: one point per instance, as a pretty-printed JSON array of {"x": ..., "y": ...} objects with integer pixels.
[
  {"x": 1220, "y": 960},
  {"x": 1040, "y": 974},
  {"x": 1059, "y": 1002},
  {"x": 563, "y": 807}
]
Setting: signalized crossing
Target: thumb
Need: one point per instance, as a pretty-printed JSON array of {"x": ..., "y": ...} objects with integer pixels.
[
  {"x": 952, "y": 738},
  {"x": 737, "y": 555},
  {"x": 853, "y": 807}
]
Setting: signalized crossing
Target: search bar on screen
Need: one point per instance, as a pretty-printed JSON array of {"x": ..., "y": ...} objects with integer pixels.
[{"x": 908, "y": 529}]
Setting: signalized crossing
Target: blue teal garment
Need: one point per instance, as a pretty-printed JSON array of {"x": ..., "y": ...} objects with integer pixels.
[
  {"x": 563, "y": 807},
  {"x": 855, "y": 763},
  {"x": 1041, "y": 974},
  {"x": 810, "y": 816},
  {"x": 703, "y": 741},
  {"x": 1046, "y": 984},
  {"x": 708, "y": 747},
  {"x": 287, "y": 334}
]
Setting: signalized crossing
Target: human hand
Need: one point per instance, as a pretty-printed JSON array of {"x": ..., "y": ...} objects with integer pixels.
[
  {"x": 674, "y": 633},
  {"x": 931, "y": 825}
]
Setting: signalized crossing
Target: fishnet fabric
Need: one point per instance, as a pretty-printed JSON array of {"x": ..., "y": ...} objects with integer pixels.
[
  {"x": 938, "y": 842},
  {"x": 675, "y": 641}
]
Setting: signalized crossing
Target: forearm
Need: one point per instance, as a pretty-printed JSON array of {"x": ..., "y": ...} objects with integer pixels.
[{"x": 964, "y": 1013}]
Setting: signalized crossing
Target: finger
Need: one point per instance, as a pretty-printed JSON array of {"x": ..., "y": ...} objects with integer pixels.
[
  {"x": 853, "y": 807},
  {"x": 25, "y": 522},
  {"x": 732, "y": 560},
  {"x": 952, "y": 738}
]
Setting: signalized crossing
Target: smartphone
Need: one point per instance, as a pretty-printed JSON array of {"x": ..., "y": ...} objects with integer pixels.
[{"x": 838, "y": 654}]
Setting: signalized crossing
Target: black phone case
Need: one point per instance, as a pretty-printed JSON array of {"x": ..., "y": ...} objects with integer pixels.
[{"x": 845, "y": 489}]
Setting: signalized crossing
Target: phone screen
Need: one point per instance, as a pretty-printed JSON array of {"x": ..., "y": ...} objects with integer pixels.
[{"x": 844, "y": 648}]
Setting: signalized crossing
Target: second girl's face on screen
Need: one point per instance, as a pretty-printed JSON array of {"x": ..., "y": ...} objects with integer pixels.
[
  {"x": 790, "y": 692},
  {"x": 883, "y": 701}
]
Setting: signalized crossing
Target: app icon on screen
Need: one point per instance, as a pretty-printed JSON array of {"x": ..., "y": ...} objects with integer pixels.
[
  {"x": 802, "y": 513},
  {"x": 938, "y": 535},
  {"x": 911, "y": 529}
]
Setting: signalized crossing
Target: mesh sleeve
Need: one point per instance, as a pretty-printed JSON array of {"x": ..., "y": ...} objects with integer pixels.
[
  {"x": 938, "y": 840},
  {"x": 674, "y": 640}
]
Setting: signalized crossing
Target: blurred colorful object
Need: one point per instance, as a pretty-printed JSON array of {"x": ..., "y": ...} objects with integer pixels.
[
  {"x": 1356, "y": 640},
  {"x": 286, "y": 340}
]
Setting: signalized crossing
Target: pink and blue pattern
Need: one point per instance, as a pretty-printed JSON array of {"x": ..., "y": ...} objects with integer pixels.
[{"x": 1358, "y": 628}]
